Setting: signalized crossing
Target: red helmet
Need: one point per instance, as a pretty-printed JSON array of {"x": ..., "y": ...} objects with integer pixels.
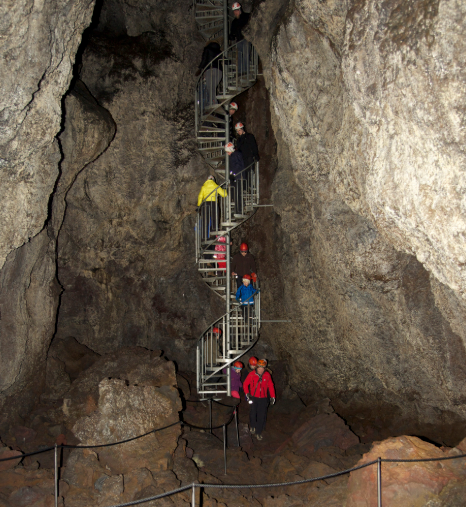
[
  {"x": 243, "y": 247},
  {"x": 238, "y": 364},
  {"x": 216, "y": 330},
  {"x": 236, "y": 6},
  {"x": 253, "y": 361},
  {"x": 222, "y": 239},
  {"x": 247, "y": 277},
  {"x": 239, "y": 126},
  {"x": 262, "y": 363}
]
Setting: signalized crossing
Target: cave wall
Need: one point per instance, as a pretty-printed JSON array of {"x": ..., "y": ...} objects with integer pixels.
[
  {"x": 126, "y": 249},
  {"x": 362, "y": 158},
  {"x": 38, "y": 45},
  {"x": 373, "y": 327}
]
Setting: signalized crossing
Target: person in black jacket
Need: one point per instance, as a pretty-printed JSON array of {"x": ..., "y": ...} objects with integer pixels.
[
  {"x": 236, "y": 175},
  {"x": 246, "y": 145},
  {"x": 213, "y": 74},
  {"x": 236, "y": 35},
  {"x": 232, "y": 108}
]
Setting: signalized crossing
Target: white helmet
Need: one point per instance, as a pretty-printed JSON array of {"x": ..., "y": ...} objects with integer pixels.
[
  {"x": 239, "y": 126},
  {"x": 229, "y": 148},
  {"x": 234, "y": 106},
  {"x": 236, "y": 6}
]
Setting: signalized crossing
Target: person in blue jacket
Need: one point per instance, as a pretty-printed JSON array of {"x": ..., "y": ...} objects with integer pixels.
[{"x": 245, "y": 295}]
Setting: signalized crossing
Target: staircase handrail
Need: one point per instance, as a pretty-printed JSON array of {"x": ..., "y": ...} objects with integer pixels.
[
  {"x": 235, "y": 308},
  {"x": 227, "y": 183},
  {"x": 224, "y": 58},
  {"x": 224, "y": 186},
  {"x": 229, "y": 48}
]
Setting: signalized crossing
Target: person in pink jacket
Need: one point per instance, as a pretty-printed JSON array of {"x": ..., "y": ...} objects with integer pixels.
[
  {"x": 221, "y": 256},
  {"x": 258, "y": 388}
]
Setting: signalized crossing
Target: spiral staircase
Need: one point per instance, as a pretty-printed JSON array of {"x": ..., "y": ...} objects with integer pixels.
[{"x": 230, "y": 336}]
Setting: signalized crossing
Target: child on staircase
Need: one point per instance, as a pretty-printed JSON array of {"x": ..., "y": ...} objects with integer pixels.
[{"x": 245, "y": 295}]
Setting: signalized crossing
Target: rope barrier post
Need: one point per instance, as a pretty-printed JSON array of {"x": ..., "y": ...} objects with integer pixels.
[
  {"x": 210, "y": 415},
  {"x": 56, "y": 475},
  {"x": 225, "y": 446},
  {"x": 193, "y": 496},
  {"x": 379, "y": 482},
  {"x": 236, "y": 421}
]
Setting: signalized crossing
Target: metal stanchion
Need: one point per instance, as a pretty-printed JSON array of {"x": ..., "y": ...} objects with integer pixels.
[
  {"x": 379, "y": 482},
  {"x": 210, "y": 414},
  {"x": 56, "y": 475},
  {"x": 193, "y": 497},
  {"x": 225, "y": 447},
  {"x": 236, "y": 421}
]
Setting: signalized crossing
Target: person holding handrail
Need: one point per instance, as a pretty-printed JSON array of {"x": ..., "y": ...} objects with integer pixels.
[
  {"x": 209, "y": 206},
  {"x": 258, "y": 388},
  {"x": 235, "y": 379},
  {"x": 245, "y": 296}
]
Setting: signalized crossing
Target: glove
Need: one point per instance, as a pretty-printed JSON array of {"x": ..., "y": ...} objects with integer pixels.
[
  {"x": 272, "y": 401},
  {"x": 248, "y": 397},
  {"x": 197, "y": 208}
]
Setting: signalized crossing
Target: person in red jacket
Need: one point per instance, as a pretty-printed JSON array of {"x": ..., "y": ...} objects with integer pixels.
[{"x": 258, "y": 387}]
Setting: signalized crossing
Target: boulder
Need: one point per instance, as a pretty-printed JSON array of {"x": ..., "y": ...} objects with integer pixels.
[
  {"x": 6, "y": 452},
  {"x": 408, "y": 484},
  {"x": 323, "y": 430}
]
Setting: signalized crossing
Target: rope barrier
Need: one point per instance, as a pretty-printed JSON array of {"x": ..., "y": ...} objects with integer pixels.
[
  {"x": 156, "y": 497},
  {"x": 387, "y": 460},
  {"x": 223, "y": 404},
  {"x": 213, "y": 427},
  {"x": 69, "y": 446},
  {"x": 21, "y": 456},
  {"x": 285, "y": 484}
]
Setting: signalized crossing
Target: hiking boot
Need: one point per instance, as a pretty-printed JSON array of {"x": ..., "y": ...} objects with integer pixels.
[
  {"x": 259, "y": 437},
  {"x": 252, "y": 431}
]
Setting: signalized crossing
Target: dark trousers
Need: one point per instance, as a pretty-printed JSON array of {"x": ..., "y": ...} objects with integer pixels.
[
  {"x": 258, "y": 413},
  {"x": 210, "y": 214},
  {"x": 248, "y": 311},
  {"x": 239, "y": 207}
]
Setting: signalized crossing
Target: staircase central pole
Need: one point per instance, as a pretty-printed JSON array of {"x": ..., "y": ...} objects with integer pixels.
[{"x": 227, "y": 179}]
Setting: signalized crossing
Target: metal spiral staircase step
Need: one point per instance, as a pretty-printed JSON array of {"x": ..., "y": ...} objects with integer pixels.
[{"x": 214, "y": 353}]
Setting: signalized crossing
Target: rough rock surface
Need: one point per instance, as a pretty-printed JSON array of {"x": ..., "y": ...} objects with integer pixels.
[
  {"x": 121, "y": 396},
  {"x": 126, "y": 248},
  {"x": 371, "y": 327},
  {"x": 39, "y": 43},
  {"x": 433, "y": 483},
  {"x": 29, "y": 293}
]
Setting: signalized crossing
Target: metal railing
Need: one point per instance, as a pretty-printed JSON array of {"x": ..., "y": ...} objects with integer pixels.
[
  {"x": 224, "y": 209},
  {"x": 228, "y": 205},
  {"x": 227, "y": 75},
  {"x": 217, "y": 350}
]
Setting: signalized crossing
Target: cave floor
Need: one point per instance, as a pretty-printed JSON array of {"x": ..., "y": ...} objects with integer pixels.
[{"x": 294, "y": 447}]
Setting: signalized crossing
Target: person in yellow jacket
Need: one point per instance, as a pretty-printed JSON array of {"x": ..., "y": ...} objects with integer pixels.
[{"x": 207, "y": 201}]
